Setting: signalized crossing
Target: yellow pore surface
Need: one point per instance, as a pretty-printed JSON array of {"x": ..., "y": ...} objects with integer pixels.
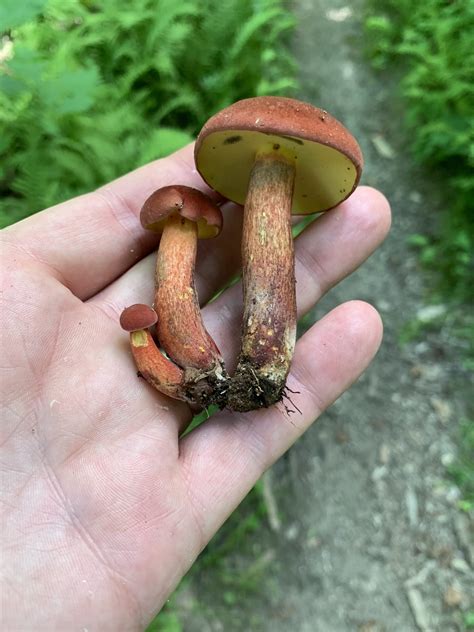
[{"x": 324, "y": 176}]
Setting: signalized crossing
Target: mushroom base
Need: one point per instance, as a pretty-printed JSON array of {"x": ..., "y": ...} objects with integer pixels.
[
  {"x": 197, "y": 387},
  {"x": 202, "y": 389},
  {"x": 252, "y": 390}
]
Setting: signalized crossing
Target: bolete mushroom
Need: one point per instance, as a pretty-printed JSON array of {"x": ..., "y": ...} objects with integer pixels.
[
  {"x": 277, "y": 156},
  {"x": 182, "y": 215},
  {"x": 152, "y": 365}
]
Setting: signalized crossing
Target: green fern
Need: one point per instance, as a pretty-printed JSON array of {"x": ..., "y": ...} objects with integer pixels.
[
  {"x": 433, "y": 40},
  {"x": 97, "y": 87}
]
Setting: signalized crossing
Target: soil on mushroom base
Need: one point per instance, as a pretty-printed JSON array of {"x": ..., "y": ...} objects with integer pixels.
[
  {"x": 366, "y": 534},
  {"x": 250, "y": 392}
]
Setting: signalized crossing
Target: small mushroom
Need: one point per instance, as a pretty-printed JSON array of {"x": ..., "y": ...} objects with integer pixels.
[
  {"x": 277, "y": 156},
  {"x": 152, "y": 365},
  {"x": 183, "y": 214}
]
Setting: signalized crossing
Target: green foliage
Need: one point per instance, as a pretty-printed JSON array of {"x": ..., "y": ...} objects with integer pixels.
[
  {"x": 237, "y": 583},
  {"x": 166, "y": 621},
  {"x": 462, "y": 471},
  {"x": 433, "y": 40},
  {"x": 469, "y": 621},
  {"x": 90, "y": 90}
]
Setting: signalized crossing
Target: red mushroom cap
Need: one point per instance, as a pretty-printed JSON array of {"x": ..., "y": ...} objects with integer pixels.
[
  {"x": 137, "y": 317},
  {"x": 328, "y": 161},
  {"x": 187, "y": 202}
]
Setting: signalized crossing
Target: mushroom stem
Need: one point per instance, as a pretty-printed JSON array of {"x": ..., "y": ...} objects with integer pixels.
[
  {"x": 269, "y": 320},
  {"x": 180, "y": 329},
  {"x": 152, "y": 365}
]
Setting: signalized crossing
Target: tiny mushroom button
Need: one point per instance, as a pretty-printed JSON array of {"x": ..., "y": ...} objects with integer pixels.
[
  {"x": 152, "y": 365},
  {"x": 183, "y": 215},
  {"x": 277, "y": 156}
]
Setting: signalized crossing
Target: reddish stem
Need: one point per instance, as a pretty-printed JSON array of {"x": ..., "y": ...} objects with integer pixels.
[
  {"x": 180, "y": 328},
  {"x": 152, "y": 365},
  {"x": 269, "y": 321}
]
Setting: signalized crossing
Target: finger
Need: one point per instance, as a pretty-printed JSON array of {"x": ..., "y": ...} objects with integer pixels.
[
  {"x": 224, "y": 458},
  {"x": 89, "y": 241},
  {"x": 218, "y": 261}
]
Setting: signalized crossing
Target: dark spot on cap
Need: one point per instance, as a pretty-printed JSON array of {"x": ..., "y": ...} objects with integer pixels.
[
  {"x": 298, "y": 141},
  {"x": 276, "y": 146},
  {"x": 232, "y": 140}
]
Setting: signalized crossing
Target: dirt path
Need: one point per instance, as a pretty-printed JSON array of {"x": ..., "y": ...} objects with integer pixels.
[{"x": 368, "y": 536}]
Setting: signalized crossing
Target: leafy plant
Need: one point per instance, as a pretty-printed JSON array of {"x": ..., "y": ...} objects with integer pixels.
[
  {"x": 432, "y": 40},
  {"x": 237, "y": 583},
  {"x": 462, "y": 471},
  {"x": 90, "y": 90}
]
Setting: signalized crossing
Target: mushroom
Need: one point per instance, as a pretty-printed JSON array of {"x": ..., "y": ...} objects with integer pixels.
[
  {"x": 152, "y": 365},
  {"x": 277, "y": 156},
  {"x": 183, "y": 214}
]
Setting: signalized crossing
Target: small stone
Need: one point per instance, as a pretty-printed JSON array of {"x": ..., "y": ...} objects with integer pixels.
[
  {"x": 458, "y": 564},
  {"x": 348, "y": 70},
  {"x": 383, "y": 306},
  {"x": 382, "y": 146},
  {"x": 442, "y": 408},
  {"x": 419, "y": 610},
  {"x": 378, "y": 473},
  {"x": 339, "y": 15},
  {"x": 412, "y": 507},
  {"x": 292, "y": 532},
  {"x": 415, "y": 196},
  {"x": 429, "y": 313},
  {"x": 384, "y": 454},
  {"x": 271, "y": 502},
  {"x": 453, "y": 597},
  {"x": 463, "y": 528},
  {"x": 377, "y": 520},
  {"x": 447, "y": 459},
  {"x": 453, "y": 494},
  {"x": 422, "y": 347}
]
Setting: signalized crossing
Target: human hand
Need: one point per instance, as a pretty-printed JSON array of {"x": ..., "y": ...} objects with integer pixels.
[{"x": 105, "y": 507}]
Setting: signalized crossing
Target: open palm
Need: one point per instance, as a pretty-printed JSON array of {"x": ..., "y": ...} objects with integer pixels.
[{"x": 105, "y": 507}]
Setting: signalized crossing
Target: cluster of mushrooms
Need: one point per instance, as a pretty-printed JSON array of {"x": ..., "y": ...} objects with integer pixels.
[{"x": 276, "y": 156}]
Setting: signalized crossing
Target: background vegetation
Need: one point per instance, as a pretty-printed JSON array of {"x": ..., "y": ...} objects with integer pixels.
[
  {"x": 91, "y": 89},
  {"x": 433, "y": 40}
]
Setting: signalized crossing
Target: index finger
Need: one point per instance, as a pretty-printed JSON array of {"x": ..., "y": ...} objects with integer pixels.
[{"x": 91, "y": 240}]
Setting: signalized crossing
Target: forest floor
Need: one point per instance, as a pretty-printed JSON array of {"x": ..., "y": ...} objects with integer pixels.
[{"x": 358, "y": 527}]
